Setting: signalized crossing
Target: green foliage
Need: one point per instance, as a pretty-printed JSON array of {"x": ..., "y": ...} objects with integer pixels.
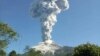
[
  {"x": 6, "y": 31},
  {"x": 2, "y": 53},
  {"x": 32, "y": 52},
  {"x": 6, "y": 35},
  {"x": 12, "y": 53},
  {"x": 87, "y": 50},
  {"x": 3, "y": 43}
]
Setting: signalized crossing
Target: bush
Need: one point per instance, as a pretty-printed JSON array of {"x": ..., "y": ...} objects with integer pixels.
[
  {"x": 87, "y": 50},
  {"x": 32, "y": 52}
]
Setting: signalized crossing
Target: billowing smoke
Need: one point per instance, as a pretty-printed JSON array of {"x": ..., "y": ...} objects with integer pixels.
[{"x": 47, "y": 11}]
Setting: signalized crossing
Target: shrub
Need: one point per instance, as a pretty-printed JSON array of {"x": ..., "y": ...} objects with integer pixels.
[{"x": 87, "y": 50}]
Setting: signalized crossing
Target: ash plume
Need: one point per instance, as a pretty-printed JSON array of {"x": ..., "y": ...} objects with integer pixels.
[{"x": 47, "y": 11}]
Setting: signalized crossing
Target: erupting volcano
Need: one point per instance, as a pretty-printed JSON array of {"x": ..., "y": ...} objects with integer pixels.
[{"x": 46, "y": 11}]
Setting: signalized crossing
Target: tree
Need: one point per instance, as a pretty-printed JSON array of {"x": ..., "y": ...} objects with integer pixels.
[
  {"x": 32, "y": 52},
  {"x": 12, "y": 53},
  {"x": 87, "y": 50},
  {"x": 2, "y": 53},
  {"x": 6, "y": 35}
]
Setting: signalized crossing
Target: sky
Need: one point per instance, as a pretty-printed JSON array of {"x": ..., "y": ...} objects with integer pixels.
[{"x": 80, "y": 24}]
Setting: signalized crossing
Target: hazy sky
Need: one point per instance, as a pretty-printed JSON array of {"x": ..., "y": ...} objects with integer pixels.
[{"x": 80, "y": 24}]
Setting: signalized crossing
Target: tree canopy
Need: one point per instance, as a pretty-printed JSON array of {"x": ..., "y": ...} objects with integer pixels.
[
  {"x": 6, "y": 34},
  {"x": 13, "y": 53},
  {"x": 87, "y": 50}
]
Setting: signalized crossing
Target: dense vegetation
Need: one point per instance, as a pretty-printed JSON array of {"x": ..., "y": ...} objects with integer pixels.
[{"x": 87, "y": 50}]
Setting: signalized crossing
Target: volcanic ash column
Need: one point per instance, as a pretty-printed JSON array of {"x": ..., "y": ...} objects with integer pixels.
[{"x": 47, "y": 11}]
